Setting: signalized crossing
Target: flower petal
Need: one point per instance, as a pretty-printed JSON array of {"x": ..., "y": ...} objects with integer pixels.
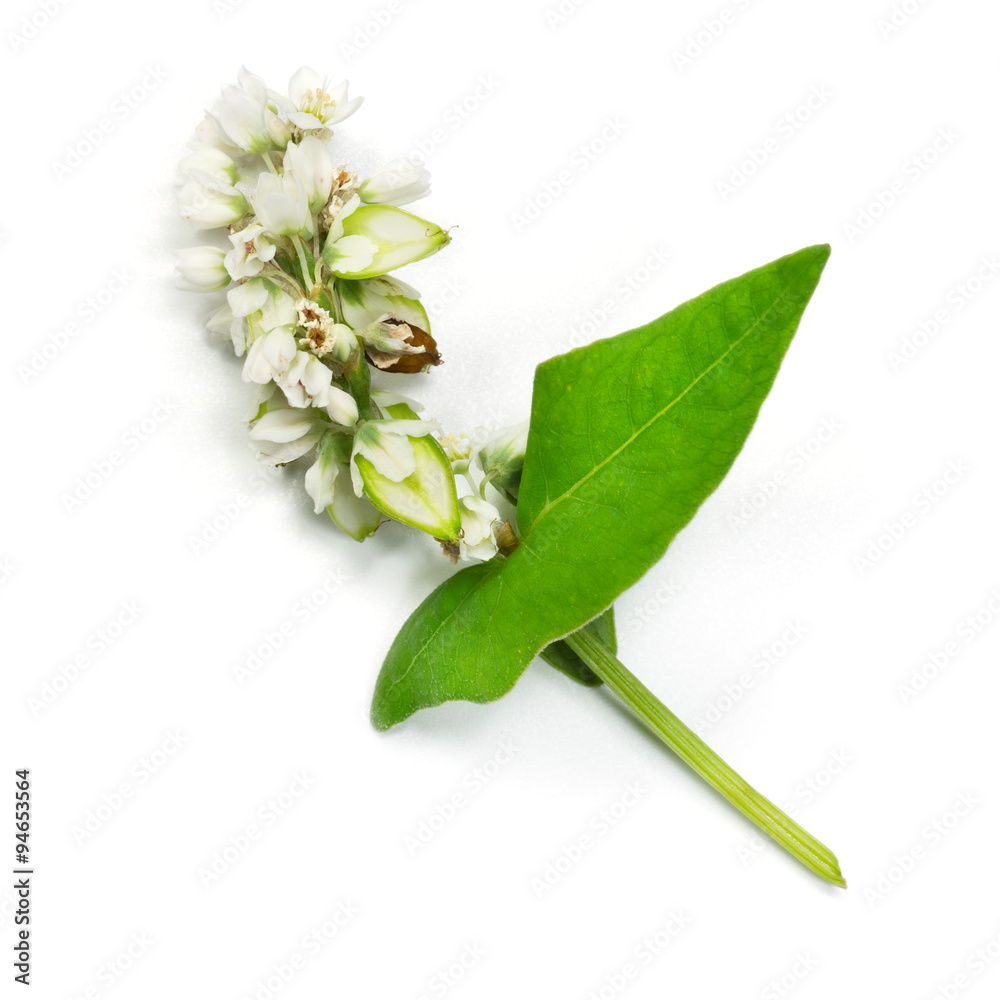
[
  {"x": 341, "y": 407},
  {"x": 351, "y": 255},
  {"x": 282, "y": 426},
  {"x": 248, "y": 297},
  {"x": 321, "y": 477},
  {"x": 304, "y": 79}
]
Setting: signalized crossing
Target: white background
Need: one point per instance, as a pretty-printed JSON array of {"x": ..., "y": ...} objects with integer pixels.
[{"x": 502, "y": 100}]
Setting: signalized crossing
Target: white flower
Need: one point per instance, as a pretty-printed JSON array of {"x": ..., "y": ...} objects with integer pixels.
[
  {"x": 506, "y": 445},
  {"x": 341, "y": 407},
  {"x": 306, "y": 381},
  {"x": 323, "y": 335},
  {"x": 321, "y": 477},
  {"x": 225, "y": 324},
  {"x": 282, "y": 205},
  {"x": 251, "y": 251},
  {"x": 278, "y": 310},
  {"x": 353, "y": 515},
  {"x": 246, "y": 117},
  {"x": 270, "y": 355},
  {"x": 210, "y": 160},
  {"x": 398, "y": 183},
  {"x": 285, "y": 434},
  {"x": 310, "y": 163},
  {"x": 247, "y": 297},
  {"x": 271, "y": 99},
  {"x": 388, "y": 445},
  {"x": 209, "y": 204},
  {"x": 262, "y": 402},
  {"x": 207, "y": 196},
  {"x": 317, "y": 105},
  {"x": 457, "y": 448},
  {"x": 209, "y": 134},
  {"x": 502, "y": 458},
  {"x": 242, "y": 119},
  {"x": 347, "y": 254},
  {"x": 283, "y": 424},
  {"x": 201, "y": 269},
  {"x": 478, "y": 520}
]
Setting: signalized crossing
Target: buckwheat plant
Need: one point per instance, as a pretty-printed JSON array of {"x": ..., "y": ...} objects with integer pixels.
[{"x": 558, "y": 516}]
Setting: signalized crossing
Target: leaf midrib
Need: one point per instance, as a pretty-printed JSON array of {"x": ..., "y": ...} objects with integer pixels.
[{"x": 652, "y": 420}]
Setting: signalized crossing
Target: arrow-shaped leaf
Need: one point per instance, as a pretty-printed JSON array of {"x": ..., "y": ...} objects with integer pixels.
[{"x": 628, "y": 437}]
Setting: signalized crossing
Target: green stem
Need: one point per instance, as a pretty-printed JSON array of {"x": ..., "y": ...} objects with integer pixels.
[
  {"x": 358, "y": 376},
  {"x": 338, "y": 309},
  {"x": 274, "y": 274},
  {"x": 703, "y": 760},
  {"x": 307, "y": 278}
]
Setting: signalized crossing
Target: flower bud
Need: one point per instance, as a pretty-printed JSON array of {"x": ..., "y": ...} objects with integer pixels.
[
  {"x": 310, "y": 163},
  {"x": 321, "y": 477},
  {"x": 268, "y": 101},
  {"x": 223, "y": 323},
  {"x": 282, "y": 205},
  {"x": 209, "y": 204},
  {"x": 284, "y": 434},
  {"x": 502, "y": 459},
  {"x": 341, "y": 407},
  {"x": 397, "y": 183},
  {"x": 201, "y": 269},
  {"x": 478, "y": 520},
  {"x": 244, "y": 120},
  {"x": 212, "y": 161},
  {"x": 328, "y": 482}
]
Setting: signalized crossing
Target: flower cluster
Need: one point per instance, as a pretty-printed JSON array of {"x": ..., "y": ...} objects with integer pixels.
[{"x": 304, "y": 256}]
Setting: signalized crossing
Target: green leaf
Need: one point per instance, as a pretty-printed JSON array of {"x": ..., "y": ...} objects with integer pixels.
[
  {"x": 560, "y": 656},
  {"x": 628, "y": 437}
]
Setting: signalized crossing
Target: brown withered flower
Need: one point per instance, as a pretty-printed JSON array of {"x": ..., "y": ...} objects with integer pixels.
[{"x": 393, "y": 345}]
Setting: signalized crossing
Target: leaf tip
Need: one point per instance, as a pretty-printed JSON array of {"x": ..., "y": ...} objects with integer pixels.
[
  {"x": 820, "y": 252},
  {"x": 381, "y": 714},
  {"x": 378, "y": 723}
]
